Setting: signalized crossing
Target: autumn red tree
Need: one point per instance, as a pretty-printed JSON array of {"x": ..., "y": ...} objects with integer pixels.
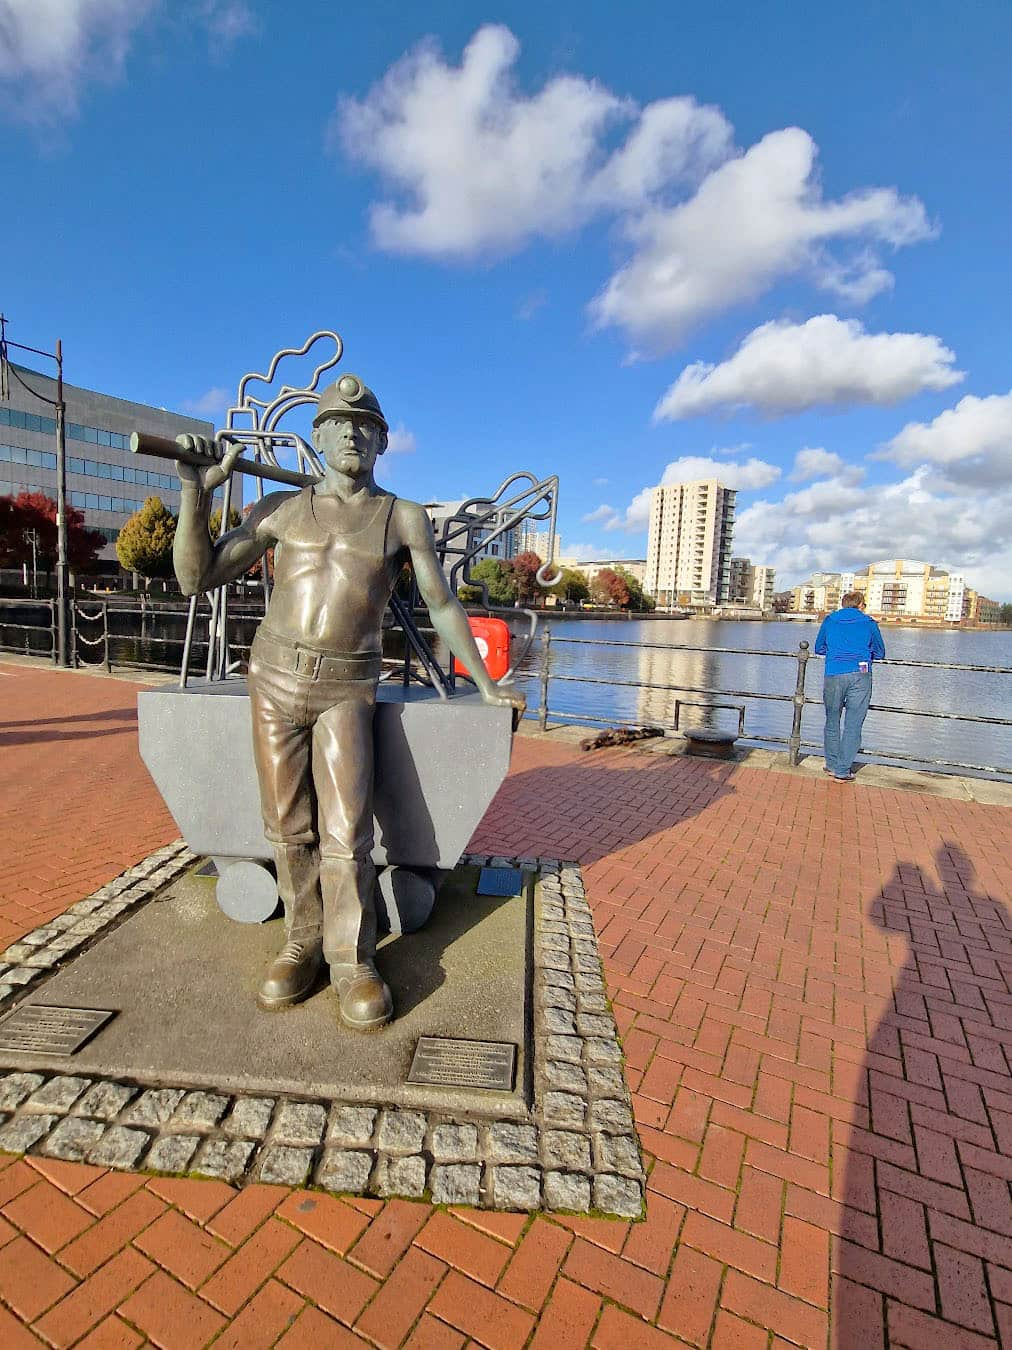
[
  {"x": 35, "y": 511},
  {"x": 525, "y": 569},
  {"x": 608, "y": 588}
]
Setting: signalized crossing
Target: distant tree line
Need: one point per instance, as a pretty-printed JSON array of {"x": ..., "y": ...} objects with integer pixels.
[{"x": 513, "y": 581}]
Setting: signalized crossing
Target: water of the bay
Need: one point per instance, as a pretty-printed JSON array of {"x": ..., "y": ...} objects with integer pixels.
[{"x": 685, "y": 654}]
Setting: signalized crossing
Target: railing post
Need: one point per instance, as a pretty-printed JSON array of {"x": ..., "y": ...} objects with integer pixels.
[
  {"x": 105, "y": 635},
  {"x": 794, "y": 744},
  {"x": 545, "y": 657},
  {"x": 52, "y": 632}
]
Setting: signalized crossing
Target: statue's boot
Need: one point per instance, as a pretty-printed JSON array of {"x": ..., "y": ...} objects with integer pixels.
[
  {"x": 290, "y": 976},
  {"x": 349, "y": 942}
]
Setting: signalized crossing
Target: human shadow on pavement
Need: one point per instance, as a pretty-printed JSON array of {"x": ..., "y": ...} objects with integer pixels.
[
  {"x": 926, "y": 1189},
  {"x": 109, "y": 715}
]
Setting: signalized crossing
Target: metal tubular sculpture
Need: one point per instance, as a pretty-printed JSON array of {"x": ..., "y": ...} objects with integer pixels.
[{"x": 462, "y": 537}]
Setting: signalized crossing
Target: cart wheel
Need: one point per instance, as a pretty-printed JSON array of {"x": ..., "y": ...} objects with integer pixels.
[
  {"x": 246, "y": 891},
  {"x": 405, "y": 897}
]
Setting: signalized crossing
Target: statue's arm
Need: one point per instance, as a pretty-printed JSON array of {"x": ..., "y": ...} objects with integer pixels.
[
  {"x": 445, "y": 611},
  {"x": 200, "y": 564}
]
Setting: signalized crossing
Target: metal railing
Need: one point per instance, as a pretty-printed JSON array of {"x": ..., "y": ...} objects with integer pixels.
[
  {"x": 798, "y": 699},
  {"x": 91, "y": 631}
]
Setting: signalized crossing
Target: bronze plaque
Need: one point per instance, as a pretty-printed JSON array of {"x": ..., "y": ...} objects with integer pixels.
[
  {"x": 38, "y": 1029},
  {"x": 468, "y": 1064}
]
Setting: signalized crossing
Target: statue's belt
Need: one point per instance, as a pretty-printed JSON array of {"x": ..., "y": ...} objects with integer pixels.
[{"x": 312, "y": 663}]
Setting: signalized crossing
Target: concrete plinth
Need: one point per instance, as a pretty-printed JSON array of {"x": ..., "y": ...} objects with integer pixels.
[{"x": 184, "y": 978}]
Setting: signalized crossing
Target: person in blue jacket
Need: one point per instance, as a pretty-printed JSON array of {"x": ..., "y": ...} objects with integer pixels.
[{"x": 850, "y": 641}]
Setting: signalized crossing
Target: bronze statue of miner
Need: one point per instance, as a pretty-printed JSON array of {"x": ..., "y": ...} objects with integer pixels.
[{"x": 313, "y": 671}]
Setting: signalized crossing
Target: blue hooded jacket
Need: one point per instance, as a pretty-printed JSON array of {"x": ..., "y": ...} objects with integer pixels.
[{"x": 846, "y": 638}]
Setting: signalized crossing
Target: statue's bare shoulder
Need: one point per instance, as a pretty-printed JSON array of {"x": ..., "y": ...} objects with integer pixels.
[
  {"x": 411, "y": 523},
  {"x": 267, "y": 517}
]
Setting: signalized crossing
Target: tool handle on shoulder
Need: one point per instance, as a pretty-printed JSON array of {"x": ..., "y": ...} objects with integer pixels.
[{"x": 161, "y": 447}]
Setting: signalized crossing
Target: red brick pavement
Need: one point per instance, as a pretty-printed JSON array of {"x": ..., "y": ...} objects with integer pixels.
[{"x": 812, "y": 981}]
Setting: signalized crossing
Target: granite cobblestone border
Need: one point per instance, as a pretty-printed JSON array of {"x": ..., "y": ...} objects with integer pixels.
[{"x": 579, "y": 1152}]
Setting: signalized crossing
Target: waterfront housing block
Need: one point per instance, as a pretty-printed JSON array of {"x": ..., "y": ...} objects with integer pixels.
[
  {"x": 689, "y": 544},
  {"x": 899, "y": 589}
]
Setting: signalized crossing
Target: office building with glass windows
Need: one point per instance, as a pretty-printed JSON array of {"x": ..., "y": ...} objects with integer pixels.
[{"x": 104, "y": 479}]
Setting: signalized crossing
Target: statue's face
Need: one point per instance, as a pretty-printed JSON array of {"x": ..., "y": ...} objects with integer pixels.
[{"x": 350, "y": 445}]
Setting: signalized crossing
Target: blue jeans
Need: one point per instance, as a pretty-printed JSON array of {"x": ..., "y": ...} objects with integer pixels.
[{"x": 853, "y": 693}]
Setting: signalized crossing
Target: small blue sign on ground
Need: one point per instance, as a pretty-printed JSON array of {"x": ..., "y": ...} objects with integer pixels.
[{"x": 499, "y": 881}]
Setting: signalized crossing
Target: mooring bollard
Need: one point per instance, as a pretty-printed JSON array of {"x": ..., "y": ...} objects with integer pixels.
[{"x": 794, "y": 744}]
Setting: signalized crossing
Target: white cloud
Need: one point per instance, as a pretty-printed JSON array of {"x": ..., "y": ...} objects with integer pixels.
[
  {"x": 815, "y": 463},
  {"x": 400, "y": 441},
  {"x": 477, "y": 167},
  {"x": 48, "y": 48},
  {"x": 586, "y": 553},
  {"x": 209, "y": 404},
  {"x": 601, "y": 513},
  {"x": 749, "y": 476},
  {"x": 837, "y": 525},
  {"x": 972, "y": 442},
  {"x": 530, "y": 305},
  {"x": 755, "y": 220},
  {"x": 601, "y": 482},
  {"x": 227, "y": 21},
  {"x": 784, "y": 367}
]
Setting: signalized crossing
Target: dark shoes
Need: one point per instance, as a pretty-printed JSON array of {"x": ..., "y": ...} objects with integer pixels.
[
  {"x": 363, "y": 997},
  {"x": 291, "y": 975}
]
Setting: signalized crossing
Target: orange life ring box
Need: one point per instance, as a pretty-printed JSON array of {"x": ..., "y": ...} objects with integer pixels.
[{"x": 493, "y": 640}]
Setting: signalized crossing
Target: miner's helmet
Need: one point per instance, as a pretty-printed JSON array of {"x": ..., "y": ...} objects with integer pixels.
[{"x": 349, "y": 397}]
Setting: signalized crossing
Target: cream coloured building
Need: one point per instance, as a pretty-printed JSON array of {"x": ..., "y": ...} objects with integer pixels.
[
  {"x": 751, "y": 584},
  {"x": 689, "y": 543}
]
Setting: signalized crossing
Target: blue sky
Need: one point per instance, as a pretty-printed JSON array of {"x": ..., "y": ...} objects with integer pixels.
[{"x": 621, "y": 244}]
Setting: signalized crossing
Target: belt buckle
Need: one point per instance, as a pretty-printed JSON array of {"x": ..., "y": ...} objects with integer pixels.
[{"x": 306, "y": 662}]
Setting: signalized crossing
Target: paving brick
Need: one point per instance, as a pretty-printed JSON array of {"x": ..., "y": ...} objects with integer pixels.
[
  {"x": 962, "y": 1289},
  {"x": 246, "y": 1212},
  {"x": 730, "y": 1247},
  {"x": 388, "y": 1236},
  {"x": 94, "y": 1299},
  {"x": 532, "y": 1271},
  {"x": 236, "y": 1281},
  {"x": 170, "y": 1316},
  {"x": 48, "y": 1216},
  {"x": 480, "y": 1257},
  {"x": 199, "y": 1200},
  {"x": 431, "y": 1334},
  {"x": 614, "y": 1278},
  {"x": 327, "y": 1280},
  {"x": 329, "y": 1221},
  {"x": 690, "y": 1297},
  {"x": 313, "y": 1329},
  {"x": 182, "y": 1248},
  {"x": 87, "y": 1252},
  {"x": 567, "y": 1319},
  {"x": 477, "y": 1312},
  {"x": 267, "y": 1316},
  {"x": 13, "y": 1336},
  {"x": 804, "y": 1261},
  {"x": 29, "y": 1280},
  {"x": 618, "y": 1330},
  {"x": 112, "y": 1333},
  {"x": 773, "y": 1309},
  {"x": 651, "y": 1243},
  {"x": 401, "y": 1299},
  {"x": 110, "y": 1190}
]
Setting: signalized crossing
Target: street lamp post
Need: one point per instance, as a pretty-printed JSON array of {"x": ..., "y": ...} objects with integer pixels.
[{"x": 60, "y": 407}]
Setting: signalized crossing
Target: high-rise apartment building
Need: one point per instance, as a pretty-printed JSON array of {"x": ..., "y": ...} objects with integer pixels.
[
  {"x": 104, "y": 480},
  {"x": 689, "y": 544},
  {"x": 532, "y": 539}
]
